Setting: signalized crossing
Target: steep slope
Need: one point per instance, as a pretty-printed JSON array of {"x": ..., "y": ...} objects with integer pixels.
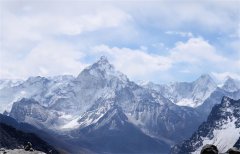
[
  {"x": 237, "y": 144},
  {"x": 98, "y": 81},
  {"x": 113, "y": 133},
  {"x": 191, "y": 94},
  {"x": 56, "y": 140},
  {"x": 215, "y": 98},
  {"x": 222, "y": 129},
  {"x": 11, "y": 138},
  {"x": 30, "y": 111}
]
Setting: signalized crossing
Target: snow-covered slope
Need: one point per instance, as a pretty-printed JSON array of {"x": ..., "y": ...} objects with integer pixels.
[
  {"x": 5, "y": 83},
  {"x": 222, "y": 129},
  {"x": 191, "y": 94},
  {"x": 45, "y": 91}
]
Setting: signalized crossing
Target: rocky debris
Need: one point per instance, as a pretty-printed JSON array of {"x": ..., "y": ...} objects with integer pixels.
[{"x": 209, "y": 149}]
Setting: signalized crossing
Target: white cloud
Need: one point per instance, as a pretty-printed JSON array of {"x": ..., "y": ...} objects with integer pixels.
[
  {"x": 141, "y": 64},
  {"x": 32, "y": 36},
  {"x": 36, "y": 27},
  {"x": 46, "y": 59},
  {"x": 135, "y": 63},
  {"x": 195, "y": 50},
  {"x": 27, "y": 26}
]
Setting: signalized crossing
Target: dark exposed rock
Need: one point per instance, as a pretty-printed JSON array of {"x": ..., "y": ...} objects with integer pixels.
[
  {"x": 28, "y": 147},
  {"x": 11, "y": 138},
  {"x": 209, "y": 149},
  {"x": 233, "y": 151}
]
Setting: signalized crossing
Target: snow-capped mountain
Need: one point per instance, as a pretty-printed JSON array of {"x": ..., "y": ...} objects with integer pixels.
[
  {"x": 222, "y": 129},
  {"x": 101, "y": 98},
  {"x": 231, "y": 85},
  {"x": 45, "y": 91},
  {"x": 82, "y": 101},
  {"x": 191, "y": 94}
]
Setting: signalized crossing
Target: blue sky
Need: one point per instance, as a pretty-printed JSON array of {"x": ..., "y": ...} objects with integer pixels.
[{"x": 159, "y": 41}]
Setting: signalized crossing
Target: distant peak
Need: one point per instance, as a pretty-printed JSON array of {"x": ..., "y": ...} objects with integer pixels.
[
  {"x": 228, "y": 79},
  {"x": 205, "y": 76},
  {"x": 205, "y": 79}
]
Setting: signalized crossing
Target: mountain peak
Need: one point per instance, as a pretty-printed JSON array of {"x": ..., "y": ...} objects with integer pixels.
[
  {"x": 205, "y": 76},
  {"x": 103, "y": 69},
  {"x": 231, "y": 84},
  {"x": 103, "y": 59},
  {"x": 103, "y": 64},
  {"x": 205, "y": 79}
]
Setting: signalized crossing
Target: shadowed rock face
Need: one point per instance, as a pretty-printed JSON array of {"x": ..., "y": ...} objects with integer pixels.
[
  {"x": 233, "y": 151},
  {"x": 237, "y": 144},
  {"x": 12, "y": 138},
  {"x": 114, "y": 134}
]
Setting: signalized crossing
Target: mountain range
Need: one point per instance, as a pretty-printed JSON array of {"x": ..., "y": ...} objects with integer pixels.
[{"x": 103, "y": 111}]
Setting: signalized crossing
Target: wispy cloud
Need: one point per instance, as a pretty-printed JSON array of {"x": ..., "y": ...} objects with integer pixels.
[{"x": 182, "y": 34}]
